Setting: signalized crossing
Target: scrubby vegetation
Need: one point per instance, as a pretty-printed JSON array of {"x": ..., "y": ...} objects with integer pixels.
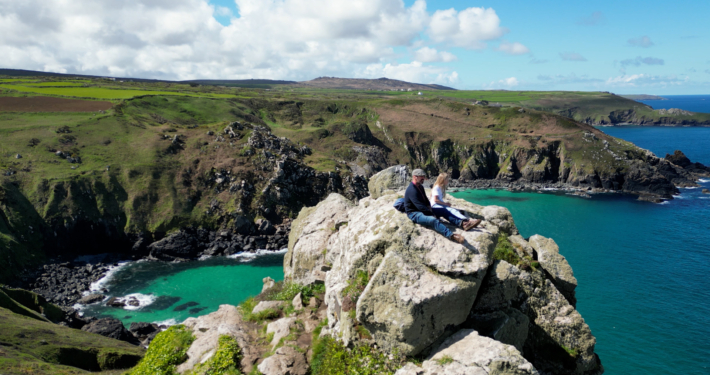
[
  {"x": 225, "y": 361},
  {"x": 330, "y": 357},
  {"x": 166, "y": 351}
]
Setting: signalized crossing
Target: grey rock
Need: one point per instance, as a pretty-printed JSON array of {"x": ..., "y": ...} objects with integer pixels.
[
  {"x": 499, "y": 288},
  {"x": 207, "y": 330},
  {"x": 285, "y": 361},
  {"x": 507, "y": 326},
  {"x": 268, "y": 284},
  {"x": 548, "y": 254},
  {"x": 391, "y": 179},
  {"x": 264, "y": 305},
  {"x": 466, "y": 352},
  {"x": 280, "y": 328},
  {"x": 298, "y": 301},
  {"x": 92, "y": 298}
]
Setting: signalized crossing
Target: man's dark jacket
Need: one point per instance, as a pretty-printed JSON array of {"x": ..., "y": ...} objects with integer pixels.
[{"x": 415, "y": 200}]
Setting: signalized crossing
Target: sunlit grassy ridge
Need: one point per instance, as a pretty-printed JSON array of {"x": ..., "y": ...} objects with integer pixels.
[{"x": 101, "y": 93}]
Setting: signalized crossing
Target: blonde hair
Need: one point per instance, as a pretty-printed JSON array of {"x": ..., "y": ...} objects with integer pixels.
[{"x": 441, "y": 180}]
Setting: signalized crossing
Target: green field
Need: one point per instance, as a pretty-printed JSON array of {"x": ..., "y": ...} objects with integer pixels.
[
  {"x": 102, "y": 93},
  {"x": 54, "y": 84}
]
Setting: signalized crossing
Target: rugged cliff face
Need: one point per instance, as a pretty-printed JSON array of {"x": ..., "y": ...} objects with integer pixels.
[
  {"x": 126, "y": 209},
  {"x": 417, "y": 293}
]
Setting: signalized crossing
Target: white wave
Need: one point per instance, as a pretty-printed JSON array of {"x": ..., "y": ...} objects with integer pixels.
[
  {"x": 100, "y": 283},
  {"x": 143, "y": 300},
  {"x": 704, "y": 180},
  {"x": 246, "y": 256},
  {"x": 169, "y": 322},
  {"x": 665, "y": 202},
  {"x": 691, "y": 187}
]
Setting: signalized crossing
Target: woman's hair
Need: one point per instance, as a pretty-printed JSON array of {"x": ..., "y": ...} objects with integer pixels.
[{"x": 441, "y": 180}]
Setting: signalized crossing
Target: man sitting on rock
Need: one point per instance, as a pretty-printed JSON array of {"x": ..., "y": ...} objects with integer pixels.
[{"x": 418, "y": 209}]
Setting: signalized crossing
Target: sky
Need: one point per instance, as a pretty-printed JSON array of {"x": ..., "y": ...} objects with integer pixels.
[{"x": 625, "y": 47}]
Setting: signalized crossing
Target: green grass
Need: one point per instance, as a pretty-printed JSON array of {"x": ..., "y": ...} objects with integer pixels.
[
  {"x": 330, "y": 357},
  {"x": 225, "y": 360},
  {"x": 31, "y": 346},
  {"x": 103, "y": 93},
  {"x": 165, "y": 352},
  {"x": 445, "y": 360},
  {"x": 504, "y": 251},
  {"x": 54, "y": 84},
  {"x": 287, "y": 291}
]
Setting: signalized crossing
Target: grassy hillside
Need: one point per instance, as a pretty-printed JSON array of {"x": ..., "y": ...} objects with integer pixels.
[
  {"x": 153, "y": 163},
  {"x": 30, "y": 346}
]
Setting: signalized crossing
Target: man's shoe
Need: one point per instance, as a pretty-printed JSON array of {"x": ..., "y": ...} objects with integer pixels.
[
  {"x": 470, "y": 224},
  {"x": 457, "y": 238}
]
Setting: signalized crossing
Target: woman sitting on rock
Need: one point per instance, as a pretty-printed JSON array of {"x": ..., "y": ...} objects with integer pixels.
[{"x": 440, "y": 207}]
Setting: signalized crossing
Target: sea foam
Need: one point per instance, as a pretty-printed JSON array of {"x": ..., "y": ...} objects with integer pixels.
[
  {"x": 143, "y": 300},
  {"x": 248, "y": 256}
]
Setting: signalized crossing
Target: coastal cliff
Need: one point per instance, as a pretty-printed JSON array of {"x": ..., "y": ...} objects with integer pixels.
[{"x": 367, "y": 289}]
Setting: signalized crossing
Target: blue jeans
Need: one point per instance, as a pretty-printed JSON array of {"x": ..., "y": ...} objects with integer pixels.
[
  {"x": 442, "y": 211},
  {"x": 434, "y": 223}
]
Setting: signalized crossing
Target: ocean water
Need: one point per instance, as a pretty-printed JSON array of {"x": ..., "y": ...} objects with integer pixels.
[
  {"x": 642, "y": 268},
  {"x": 172, "y": 292},
  {"x": 693, "y": 103}
]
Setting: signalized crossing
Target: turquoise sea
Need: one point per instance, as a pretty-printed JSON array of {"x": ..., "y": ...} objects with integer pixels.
[{"x": 642, "y": 268}]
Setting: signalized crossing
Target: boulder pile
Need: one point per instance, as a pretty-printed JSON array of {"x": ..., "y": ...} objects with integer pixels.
[{"x": 418, "y": 293}]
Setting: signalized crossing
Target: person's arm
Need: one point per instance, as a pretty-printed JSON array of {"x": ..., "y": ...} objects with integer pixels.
[
  {"x": 437, "y": 198},
  {"x": 414, "y": 197}
]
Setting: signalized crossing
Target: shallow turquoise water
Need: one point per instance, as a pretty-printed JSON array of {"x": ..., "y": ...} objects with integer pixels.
[{"x": 203, "y": 284}]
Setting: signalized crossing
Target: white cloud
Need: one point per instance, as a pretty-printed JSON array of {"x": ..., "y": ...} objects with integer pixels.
[
  {"x": 646, "y": 80},
  {"x": 415, "y": 71},
  {"x": 643, "y": 41},
  {"x": 427, "y": 54},
  {"x": 572, "y": 56},
  {"x": 278, "y": 39},
  {"x": 503, "y": 83},
  {"x": 469, "y": 28},
  {"x": 642, "y": 60},
  {"x": 513, "y": 48},
  {"x": 568, "y": 79}
]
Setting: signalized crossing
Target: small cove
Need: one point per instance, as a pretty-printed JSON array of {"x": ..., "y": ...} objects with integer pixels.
[{"x": 171, "y": 292}]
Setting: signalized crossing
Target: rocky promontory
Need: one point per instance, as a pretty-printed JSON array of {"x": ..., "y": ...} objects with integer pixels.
[{"x": 365, "y": 287}]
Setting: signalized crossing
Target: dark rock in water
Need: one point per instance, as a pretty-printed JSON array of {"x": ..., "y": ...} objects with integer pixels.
[
  {"x": 182, "y": 245},
  {"x": 115, "y": 302},
  {"x": 92, "y": 298},
  {"x": 706, "y": 191},
  {"x": 142, "y": 328},
  {"x": 112, "y": 328},
  {"x": 184, "y": 306},
  {"x": 163, "y": 302},
  {"x": 678, "y": 158},
  {"x": 133, "y": 302},
  {"x": 196, "y": 310}
]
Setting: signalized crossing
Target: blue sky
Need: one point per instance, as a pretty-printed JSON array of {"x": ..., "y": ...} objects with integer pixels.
[
  {"x": 665, "y": 42},
  {"x": 625, "y": 47}
]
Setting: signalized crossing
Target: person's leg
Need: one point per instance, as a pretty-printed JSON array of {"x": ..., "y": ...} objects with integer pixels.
[
  {"x": 431, "y": 222},
  {"x": 441, "y": 211}
]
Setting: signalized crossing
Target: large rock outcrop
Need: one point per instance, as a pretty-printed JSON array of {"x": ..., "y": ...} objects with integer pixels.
[{"x": 418, "y": 293}]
